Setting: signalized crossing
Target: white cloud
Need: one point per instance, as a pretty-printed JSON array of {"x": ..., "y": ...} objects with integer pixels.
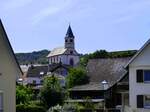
[
  {"x": 14, "y": 4},
  {"x": 50, "y": 10}
]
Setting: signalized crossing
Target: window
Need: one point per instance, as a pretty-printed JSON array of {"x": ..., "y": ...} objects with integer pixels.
[
  {"x": 71, "y": 40},
  {"x": 71, "y": 52},
  {"x": 54, "y": 59},
  {"x": 34, "y": 82},
  {"x": 143, "y": 76},
  {"x": 41, "y": 82},
  {"x": 147, "y": 101},
  {"x": 66, "y": 40},
  {"x": 143, "y": 101},
  {"x": 51, "y": 60},
  {"x": 57, "y": 59},
  {"x": 1, "y": 102},
  {"x": 146, "y": 75}
]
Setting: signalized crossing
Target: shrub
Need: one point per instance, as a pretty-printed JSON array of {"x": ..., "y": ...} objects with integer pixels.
[
  {"x": 51, "y": 93},
  {"x": 76, "y": 76},
  {"x": 29, "y": 108},
  {"x": 23, "y": 94}
]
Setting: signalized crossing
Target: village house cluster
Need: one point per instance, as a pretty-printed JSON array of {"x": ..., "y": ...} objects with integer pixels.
[{"x": 122, "y": 84}]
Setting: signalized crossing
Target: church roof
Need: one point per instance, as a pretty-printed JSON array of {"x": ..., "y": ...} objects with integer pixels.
[
  {"x": 69, "y": 32},
  {"x": 57, "y": 51}
]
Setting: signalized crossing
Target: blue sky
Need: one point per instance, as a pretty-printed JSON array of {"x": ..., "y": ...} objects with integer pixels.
[{"x": 97, "y": 24}]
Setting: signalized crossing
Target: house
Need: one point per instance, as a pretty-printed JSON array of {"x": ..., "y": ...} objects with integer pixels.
[
  {"x": 9, "y": 72},
  {"x": 134, "y": 86},
  {"x": 100, "y": 70},
  {"x": 128, "y": 82},
  {"x": 139, "y": 80},
  {"x": 35, "y": 74},
  {"x": 66, "y": 55},
  {"x": 59, "y": 69}
]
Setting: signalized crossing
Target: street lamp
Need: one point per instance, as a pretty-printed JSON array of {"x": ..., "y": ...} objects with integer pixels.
[{"x": 105, "y": 87}]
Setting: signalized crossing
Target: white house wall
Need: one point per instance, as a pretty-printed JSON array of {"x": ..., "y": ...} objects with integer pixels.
[
  {"x": 29, "y": 80},
  {"x": 141, "y": 62},
  {"x": 8, "y": 71}
]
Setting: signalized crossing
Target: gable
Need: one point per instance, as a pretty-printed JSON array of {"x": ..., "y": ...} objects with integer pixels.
[
  {"x": 142, "y": 58},
  {"x": 68, "y": 51},
  {"x": 7, "y": 57}
]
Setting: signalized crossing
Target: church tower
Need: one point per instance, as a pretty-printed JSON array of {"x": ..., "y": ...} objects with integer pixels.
[
  {"x": 67, "y": 55},
  {"x": 69, "y": 39}
]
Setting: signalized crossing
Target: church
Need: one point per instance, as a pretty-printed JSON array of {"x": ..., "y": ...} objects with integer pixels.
[
  {"x": 60, "y": 59},
  {"x": 66, "y": 55}
]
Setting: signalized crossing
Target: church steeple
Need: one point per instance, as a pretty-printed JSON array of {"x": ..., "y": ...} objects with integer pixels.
[
  {"x": 69, "y": 32},
  {"x": 69, "y": 39}
]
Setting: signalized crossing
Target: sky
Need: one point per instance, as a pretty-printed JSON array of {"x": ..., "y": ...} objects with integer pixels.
[{"x": 113, "y": 25}]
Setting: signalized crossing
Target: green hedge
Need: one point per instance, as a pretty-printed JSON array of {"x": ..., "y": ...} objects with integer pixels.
[{"x": 29, "y": 108}]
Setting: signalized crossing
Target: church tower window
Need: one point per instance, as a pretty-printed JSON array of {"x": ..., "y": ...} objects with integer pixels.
[
  {"x": 71, "y": 52},
  {"x": 71, "y": 40}
]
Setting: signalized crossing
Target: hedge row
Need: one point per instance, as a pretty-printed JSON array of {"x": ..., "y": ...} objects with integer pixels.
[{"x": 30, "y": 108}]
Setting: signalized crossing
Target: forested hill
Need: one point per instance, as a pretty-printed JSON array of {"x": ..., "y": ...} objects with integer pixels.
[
  {"x": 35, "y": 57},
  {"x": 104, "y": 54},
  {"x": 39, "y": 57}
]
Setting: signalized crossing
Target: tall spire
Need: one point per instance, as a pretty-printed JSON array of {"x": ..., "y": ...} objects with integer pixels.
[{"x": 69, "y": 32}]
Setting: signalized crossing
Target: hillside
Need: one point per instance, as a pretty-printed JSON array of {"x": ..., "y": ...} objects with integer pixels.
[
  {"x": 104, "y": 54},
  {"x": 36, "y": 57},
  {"x": 39, "y": 57}
]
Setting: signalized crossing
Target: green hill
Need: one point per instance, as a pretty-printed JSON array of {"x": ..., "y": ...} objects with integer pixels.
[
  {"x": 35, "y": 57},
  {"x": 104, "y": 54},
  {"x": 39, "y": 57}
]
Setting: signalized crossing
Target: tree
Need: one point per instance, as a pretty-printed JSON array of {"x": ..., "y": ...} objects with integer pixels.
[
  {"x": 23, "y": 94},
  {"x": 51, "y": 93},
  {"x": 99, "y": 54},
  {"x": 76, "y": 76}
]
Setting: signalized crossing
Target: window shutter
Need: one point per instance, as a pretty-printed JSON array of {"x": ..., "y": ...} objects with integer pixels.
[
  {"x": 139, "y": 75},
  {"x": 140, "y": 101}
]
